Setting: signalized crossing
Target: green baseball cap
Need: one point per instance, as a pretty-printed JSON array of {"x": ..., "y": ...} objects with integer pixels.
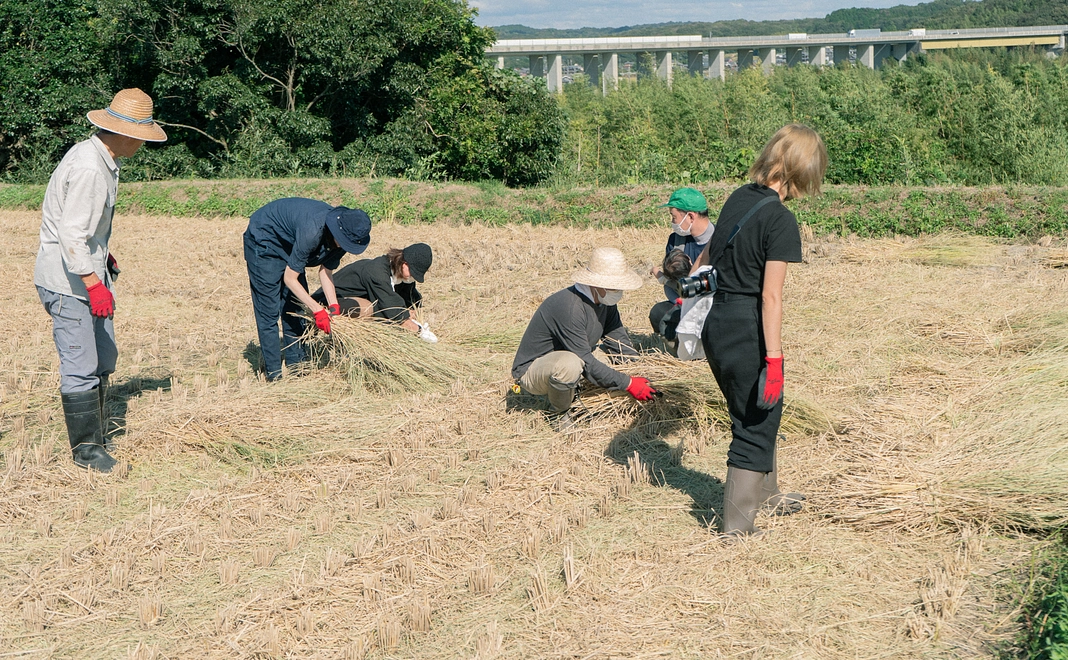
[{"x": 688, "y": 199}]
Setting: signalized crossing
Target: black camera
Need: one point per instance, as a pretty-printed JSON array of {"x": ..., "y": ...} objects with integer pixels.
[{"x": 695, "y": 285}]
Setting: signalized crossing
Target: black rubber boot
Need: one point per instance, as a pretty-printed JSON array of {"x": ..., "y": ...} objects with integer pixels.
[
  {"x": 741, "y": 501},
  {"x": 105, "y": 418},
  {"x": 82, "y": 413},
  {"x": 776, "y": 502}
]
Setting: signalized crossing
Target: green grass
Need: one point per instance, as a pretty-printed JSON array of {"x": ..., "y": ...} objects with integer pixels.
[
  {"x": 1045, "y": 618},
  {"x": 998, "y": 212}
]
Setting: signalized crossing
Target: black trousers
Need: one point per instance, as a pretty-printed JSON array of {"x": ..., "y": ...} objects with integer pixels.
[
  {"x": 272, "y": 301},
  {"x": 734, "y": 345},
  {"x": 664, "y": 317}
]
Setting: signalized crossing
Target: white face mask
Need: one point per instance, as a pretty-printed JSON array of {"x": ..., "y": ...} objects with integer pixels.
[
  {"x": 677, "y": 228},
  {"x": 611, "y": 298}
]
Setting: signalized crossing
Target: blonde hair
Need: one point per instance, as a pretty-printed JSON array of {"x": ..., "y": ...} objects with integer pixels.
[{"x": 795, "y": 158}]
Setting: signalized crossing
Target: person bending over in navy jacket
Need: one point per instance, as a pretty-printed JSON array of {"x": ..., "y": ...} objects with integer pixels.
[{"x": 283, "y": 239}]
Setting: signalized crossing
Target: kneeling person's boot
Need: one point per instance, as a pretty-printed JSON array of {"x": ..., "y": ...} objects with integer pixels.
[
  {"x": 560, "y": 396},
  {"x": 741, "y": 501},
  {"x": 81, "y": 411}
]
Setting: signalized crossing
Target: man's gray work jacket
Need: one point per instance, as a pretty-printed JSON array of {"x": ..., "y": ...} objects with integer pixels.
[{"x": 76, "y": 219}]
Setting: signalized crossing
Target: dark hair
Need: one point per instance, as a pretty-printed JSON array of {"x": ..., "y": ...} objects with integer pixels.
[
  {"x": 396, "y": 259},
  {"x": 676, "y": 264}
]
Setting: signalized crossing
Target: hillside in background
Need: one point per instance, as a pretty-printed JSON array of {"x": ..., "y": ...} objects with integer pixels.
[{"x": 934, "y": 15}]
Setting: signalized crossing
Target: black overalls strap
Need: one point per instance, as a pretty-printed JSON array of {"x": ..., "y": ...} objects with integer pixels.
[{"x": 712, "y": 261}]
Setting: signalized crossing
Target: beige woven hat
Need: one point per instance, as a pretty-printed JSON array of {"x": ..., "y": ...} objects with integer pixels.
[
  {"x": 608, "y": 270},
  {"x": 129, "y": 114}
]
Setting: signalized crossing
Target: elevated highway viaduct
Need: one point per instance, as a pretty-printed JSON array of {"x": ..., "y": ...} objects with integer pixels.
[{"x": 708, "y": 56}]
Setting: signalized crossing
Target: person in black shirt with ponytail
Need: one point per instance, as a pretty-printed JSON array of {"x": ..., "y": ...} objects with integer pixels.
[{"x": 742, "y": 335}]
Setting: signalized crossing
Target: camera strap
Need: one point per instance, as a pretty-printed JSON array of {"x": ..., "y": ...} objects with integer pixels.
[{"x": 738, "y": 226}]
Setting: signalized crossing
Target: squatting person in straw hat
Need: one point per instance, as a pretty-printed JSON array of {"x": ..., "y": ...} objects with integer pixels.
[
  {"x": 756, "y": 236},
  {"x": 284, "y": 238},
  {"x": 384, "y": 287},
  {"x": 75, "y": 271},
  {"x": 558, "y": 347}
]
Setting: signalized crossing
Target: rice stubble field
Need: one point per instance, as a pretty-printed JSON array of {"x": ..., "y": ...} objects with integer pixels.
[{"x": 925, "y": 383}]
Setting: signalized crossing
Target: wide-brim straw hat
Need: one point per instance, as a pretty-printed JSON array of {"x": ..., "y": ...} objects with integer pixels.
[
  {"x": 608, "y": 270},
  {"x": 129, "y": 114}
]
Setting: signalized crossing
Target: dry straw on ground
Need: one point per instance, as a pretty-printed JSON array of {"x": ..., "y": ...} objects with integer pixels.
[{"x": 925, "y": 379}]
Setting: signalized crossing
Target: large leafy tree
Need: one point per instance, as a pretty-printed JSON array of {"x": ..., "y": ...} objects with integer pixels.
[{"x": 284, "y": 87}]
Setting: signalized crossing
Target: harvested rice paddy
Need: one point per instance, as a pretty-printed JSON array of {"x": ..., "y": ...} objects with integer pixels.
[{"x": 328, "y": 516}]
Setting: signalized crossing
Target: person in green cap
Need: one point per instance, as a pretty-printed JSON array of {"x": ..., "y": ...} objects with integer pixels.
[{"x": 690, "y": 233}]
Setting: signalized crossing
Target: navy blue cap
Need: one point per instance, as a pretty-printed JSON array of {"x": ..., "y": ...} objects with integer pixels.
[{"x": 351, "y": 228}]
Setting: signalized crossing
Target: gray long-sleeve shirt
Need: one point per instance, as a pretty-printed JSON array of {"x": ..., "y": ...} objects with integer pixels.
[
  {"x": 568, "y": 321},
  {"x": 76, "y": 219}
]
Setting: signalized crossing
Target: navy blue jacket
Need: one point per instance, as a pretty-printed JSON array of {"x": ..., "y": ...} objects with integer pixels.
[{"x": 294, "y": 229}]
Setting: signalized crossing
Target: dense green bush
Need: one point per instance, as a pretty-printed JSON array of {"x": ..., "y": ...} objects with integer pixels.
[
  {"x": 268, "y": 88},
  {"x": 970, "y": 118}
]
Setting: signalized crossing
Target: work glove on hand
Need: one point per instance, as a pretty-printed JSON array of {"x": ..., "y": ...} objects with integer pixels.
[
  {"x": 322, "y": 320},
  {"x": 113, "y": 267},
  {"x": 335, "y": 310},
  {"x": 640, "y": 389},
  {"x": 101, "y": 302},
  {"x": 425, "y": 334},
  {"x": 769, "y": 387}
]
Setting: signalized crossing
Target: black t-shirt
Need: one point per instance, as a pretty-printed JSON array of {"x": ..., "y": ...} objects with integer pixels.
[{"x": 770, "y": 235}]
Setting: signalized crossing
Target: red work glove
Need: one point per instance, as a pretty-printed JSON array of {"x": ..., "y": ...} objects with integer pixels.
[
  {"x": 101, "y": 302},
  {"x": 769, "y": 388},
  {"x": 322, "y": 320},
  {"x": 335, "y": 310},
  {"x": 640, "y": 389}
]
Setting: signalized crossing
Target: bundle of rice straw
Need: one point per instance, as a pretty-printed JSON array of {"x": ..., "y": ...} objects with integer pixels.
[
  {"x": 688, "y": 392},
  {"x": 383, "y": 357}
]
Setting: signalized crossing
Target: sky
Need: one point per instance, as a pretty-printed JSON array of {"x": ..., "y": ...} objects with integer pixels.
[{"x": 617, "y": 13}]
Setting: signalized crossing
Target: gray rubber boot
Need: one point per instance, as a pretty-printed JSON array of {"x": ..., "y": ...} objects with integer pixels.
[
  {"x": 81, "y": 411},
  {"x": 741, "y": 501},
  {"x": 560, "y": 396},
  {"x": 776, "y": 502}
]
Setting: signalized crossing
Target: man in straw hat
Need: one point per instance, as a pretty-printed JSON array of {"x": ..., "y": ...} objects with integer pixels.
[
  {"x": 284, "y": 238},
  {"x": 558, "y": 346},
  {"x": 75, "y": 271}
]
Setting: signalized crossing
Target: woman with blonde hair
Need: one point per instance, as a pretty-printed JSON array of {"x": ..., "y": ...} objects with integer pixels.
[{"x": 755, "y": 237}]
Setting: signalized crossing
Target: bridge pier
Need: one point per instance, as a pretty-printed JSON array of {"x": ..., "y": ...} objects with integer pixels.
[
  {"x": 500, "y": 62},
  {"x": 664, "y": 68},
  {"x": 793, "y": 56},
  {"x": 767, "y": 59},
  {"x": 841, "y": 55},
  {"x": 591, "y": 67},
  {"x": 866, "y": 56},
  {"x": 695, "y": 62},
  {"x": 745, "y": 59},
  {"x": 556, "y": 73},
  {"x": 537, "y": 66},
  {"x": 609, "y": 72},
  {"x": 817, "y": 55},
  {"x": 716, "y": 67}
]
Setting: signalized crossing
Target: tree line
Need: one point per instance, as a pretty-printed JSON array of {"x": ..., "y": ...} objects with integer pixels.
[
  {"x": 283, "y": 88},
  {"x": 970, "y": 117},
  {"x": 265, "y": 88}
]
